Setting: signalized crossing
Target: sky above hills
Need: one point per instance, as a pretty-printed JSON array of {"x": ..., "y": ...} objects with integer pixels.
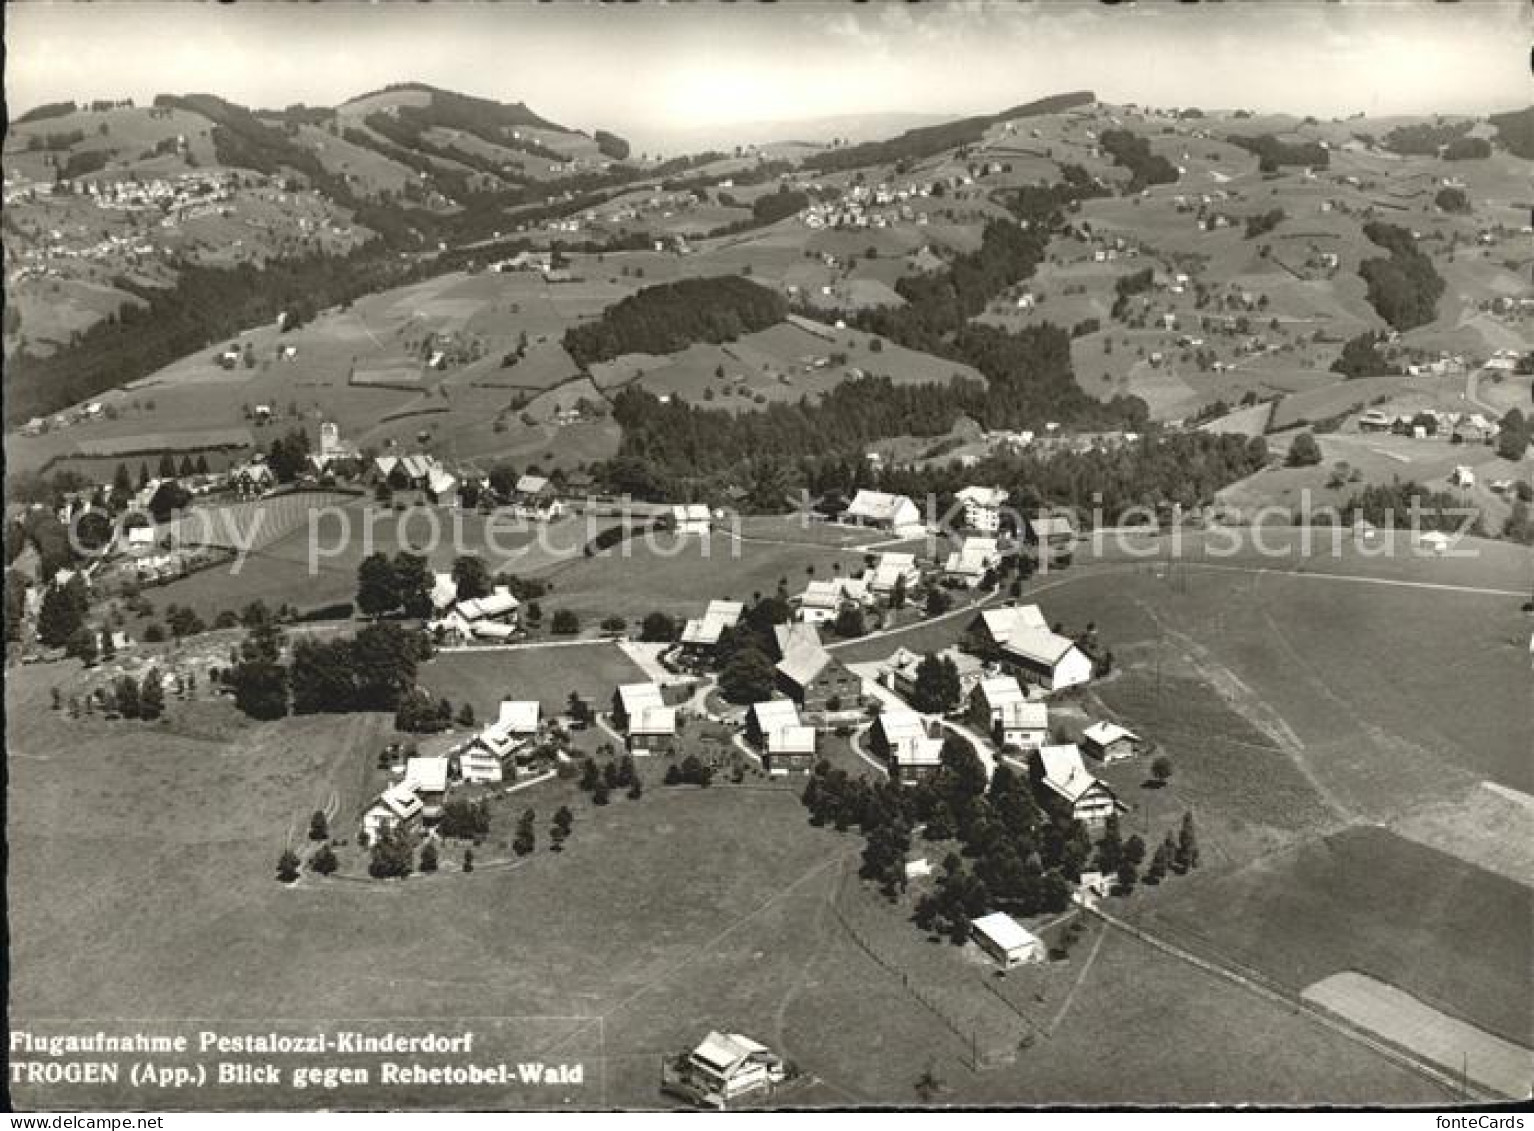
[{"x": 660, "y": 70}]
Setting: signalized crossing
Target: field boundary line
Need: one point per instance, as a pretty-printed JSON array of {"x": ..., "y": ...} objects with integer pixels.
[{"x": 1256, "y": 984}]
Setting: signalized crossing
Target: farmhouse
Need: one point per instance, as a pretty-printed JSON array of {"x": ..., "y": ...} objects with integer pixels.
[
  {"x": 729, "y": 1066},
  {"x": 970, "y": 562},
  {"x": 641, "y": 712},
  {"x": 397, "y": 807},
  {"x": 1046, "y": 658},
  {"x": 1024, "y": 724},
  {"x": 787, "y": 744},
  {"x": 1000, "y": 707},
  {"x": 822, "y": 600},
  {"x": 901, "y": 739},
  {"x": 982, "y": 508},
  {"x": 478, "y": 766},
  {"x": 691, "y": 518},
  {"x": 1109, "y": 742},
  {"x": 484, "y": 618},
  {"x": 427, "y": 777},
  {"x": 895, "y": 513},
  {"x": 516, "y": 722},
  {"x": 892, "y": 571},
  {"x": 1063, "y": 775},
  {"x": 898, "y": 673},
  {"x": 1006, "y": 940},
  {"x": 994, "y": 627},
  {"x": 810, "y": 675},
  {"x": 701, "y": 634}
]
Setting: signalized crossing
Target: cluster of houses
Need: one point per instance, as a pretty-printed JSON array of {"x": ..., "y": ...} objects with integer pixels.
[
  {"x": 1466, "y": 427},
  {"x": 421, "y": 786},
  {"x": 492, "y": 618}
]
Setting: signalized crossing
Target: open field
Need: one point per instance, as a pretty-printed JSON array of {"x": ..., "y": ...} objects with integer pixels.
[
  {"x": 485, "y": 677},
  {"x": 1401, "y": 1019},
  {"x": 1365, "y": 900}
]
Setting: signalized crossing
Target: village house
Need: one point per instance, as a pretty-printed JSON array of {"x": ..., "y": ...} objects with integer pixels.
[
  {"x": 427, "y": 777},
  {"x": 892, "y": 571},
  {"x": 691, "y": 518},
  {"x": 982, "y": 508},
  {"x": 898, "y": 673},
  {"x": 969, "y": 564},
  {"x": 478, "y": 766},
  {"x": 700, "y": 635},
  {"x": 727, "y": 1067},
  {"x": 1000, "y": 707},
  {"x": 1047, "y": 659},
  {"x": 900, "y": 738},
  {"x": 786, "y": 743},
  {"x": 994, "y": 627},
  {"x": 516, "y": 723},
  {"x": 1006, "y": 940},
  {"x": 823, "y": 600},
  {"x": 489, "y": 618},
  {"x": 811, "y": 676},
  {"x": 1063, "y": 774},
  {"x": 396, "y": 808},
  {"x": 1109, "y": 742},
  {"x": 640, "y": 711},
  {"x": 894, "y": 513}
]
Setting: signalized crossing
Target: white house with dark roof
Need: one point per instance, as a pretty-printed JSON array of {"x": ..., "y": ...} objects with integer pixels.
[
  {"x": 895, "y": 513},
  {"x": 1090, "y": 799},
  {"x": 982, "y": 507}
]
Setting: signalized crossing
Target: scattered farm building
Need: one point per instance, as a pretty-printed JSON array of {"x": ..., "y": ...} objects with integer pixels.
[
  {"x": 775, "y": 729},
  {"x": 691, "y": 518},
  {"x": 701, "y": 634},
  {"x": 1006, "y": 940},
  {"x": 969, "y": 564},
  {"x": 900, "y": 738},
  {"x": 812, "y": 676},
  {"x": 823, "y": 600},
  {"x": 397, "y": 807},
  {"x": 1109, "y": 742},
  {"x": 894, "y": 513},
  {"x": 727, "y": 1067},
  {"x": 640, "y": 711}
]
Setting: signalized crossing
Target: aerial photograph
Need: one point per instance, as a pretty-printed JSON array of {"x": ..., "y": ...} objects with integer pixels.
[{"x": 665, "y": 557}]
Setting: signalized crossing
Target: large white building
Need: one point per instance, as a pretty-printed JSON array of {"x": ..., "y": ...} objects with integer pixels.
[{"x": 982, "y": 508}]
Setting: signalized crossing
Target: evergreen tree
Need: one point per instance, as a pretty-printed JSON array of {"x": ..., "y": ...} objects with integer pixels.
[
  {"x": 319, "y": 826},
  {"x": 324, "y": 861},
  {"x": 287, "y": 866},
  {"x": 429, "y": 857},
  {"x": 151, "y": 696},
  {"x": 1187, "y": 845}
]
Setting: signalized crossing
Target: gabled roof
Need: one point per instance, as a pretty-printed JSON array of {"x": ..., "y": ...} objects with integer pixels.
[
  {"x": 708, "y": 628},
  {"x": 774, "y": 714},
  {"x": 1000, "y": 690},
  {"x": 726, "y": 1052},
  {"x": 983, "y": 496},
  {"x": 653, "y": 721},
  {"x": 691, "y": 512},
  {"x": 1002, "y": 623},
  {"x": 1102, "y": 734},
  {"x": 1024, "y": 715},
  {"x": 1004, "y": 931},
  {"x": 900, "y": 726},
  {"x": 531, "y": 485},
  {"x": 877, "y": 506},
  {"x": 497, "y": 604},
  {"x": 400, "y": 800},
  {"x": 444, "y": 590},
  {"x": 791, "y": 740},
  {"x": 793, "y": 635},
  {"x": 802, "y": 664},
  {"x": 830, "y": 593},
  {"x": 428, "y": 775},
  {"x": 1039, "y": 645},
  {"x": 1065, "y": 773},
  {"x": 637, "y": 697},
  {"x": 517, "y": 716},
  {"x": 440, "y": 482}
]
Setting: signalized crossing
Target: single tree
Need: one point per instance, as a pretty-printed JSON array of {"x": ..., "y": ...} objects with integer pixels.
[
  {"x": 287, "y": 866},
  {"x": 324, "y": 861},
  {"x": 319, "y": 826},
  {"x": 1161, "y": 770},
  {"x": 429, "y": 857}
]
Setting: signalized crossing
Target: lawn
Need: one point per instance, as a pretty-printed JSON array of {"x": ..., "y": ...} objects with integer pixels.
[
  {"x": 548, "y": 675},
  {"x": 1452, "y": 935}
]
